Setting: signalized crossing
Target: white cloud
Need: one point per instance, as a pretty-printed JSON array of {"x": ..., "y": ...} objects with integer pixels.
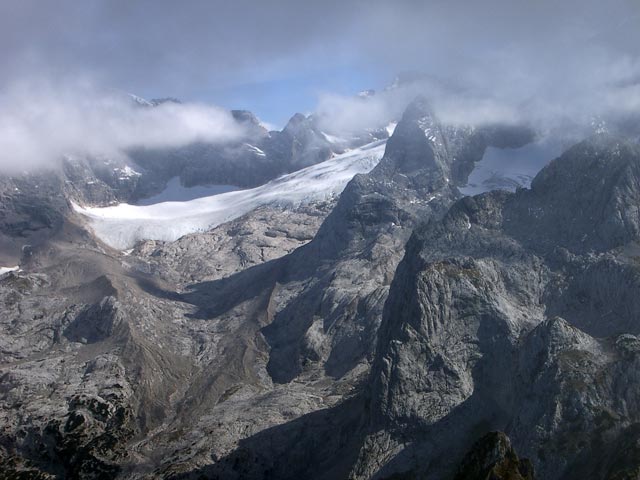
[
  {"x": 340, "y": 114},
  {"x": 40, "y": 122},
  {"x": 580, "y": 87}
]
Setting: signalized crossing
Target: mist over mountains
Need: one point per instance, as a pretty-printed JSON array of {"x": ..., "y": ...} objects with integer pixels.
[{"x": 545, "y": 64}]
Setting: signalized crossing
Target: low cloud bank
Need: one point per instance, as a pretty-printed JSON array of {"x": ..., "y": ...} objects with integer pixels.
[
  {"x": 544, "y": 101},
  {"x": 41, "y": 122}
]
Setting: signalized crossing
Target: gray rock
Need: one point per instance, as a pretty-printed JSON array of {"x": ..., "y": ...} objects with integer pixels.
[{"x": 471, "y": 339}]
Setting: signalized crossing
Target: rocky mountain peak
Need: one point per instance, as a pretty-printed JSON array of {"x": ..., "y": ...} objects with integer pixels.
[
  {"x": 250, "y": 122},
  {"x": 587, "y": 199},
  {"x": 593, "y": 163},
  {"x": 295, "y": 123},
  {"x": 502, "y": 310},
  {"x": 245, "y": 116},
  {"x": 417, "y": 142},
  {"x": 418, "y": 109}
]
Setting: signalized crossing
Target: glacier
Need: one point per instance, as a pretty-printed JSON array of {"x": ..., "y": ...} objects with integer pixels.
[
  {"x": 510, "y": 168},
  {"x": 123, "y": 225}
]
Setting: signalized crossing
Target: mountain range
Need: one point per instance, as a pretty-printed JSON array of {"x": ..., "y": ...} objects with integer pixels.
[{"x": 418, "y": 300}]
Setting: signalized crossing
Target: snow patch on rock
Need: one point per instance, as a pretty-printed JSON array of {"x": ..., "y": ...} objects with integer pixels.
[
  {"x": 4, "y": 270},
  {"x": 510, "y": 168}
]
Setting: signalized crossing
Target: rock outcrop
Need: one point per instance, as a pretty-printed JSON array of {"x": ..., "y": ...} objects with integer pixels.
[
  {"x": 493, "y": 457},
  {"x": 509, "y": 314}
]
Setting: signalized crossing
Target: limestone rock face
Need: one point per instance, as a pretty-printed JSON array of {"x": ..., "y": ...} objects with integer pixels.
[
  {"x": 264, "y": 234},
  {"x": 509, "y": 313},
  {"x": 585, "y": 201}
]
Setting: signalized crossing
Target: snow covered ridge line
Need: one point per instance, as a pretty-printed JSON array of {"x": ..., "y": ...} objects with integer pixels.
[{"x": 123, "y": 225}]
